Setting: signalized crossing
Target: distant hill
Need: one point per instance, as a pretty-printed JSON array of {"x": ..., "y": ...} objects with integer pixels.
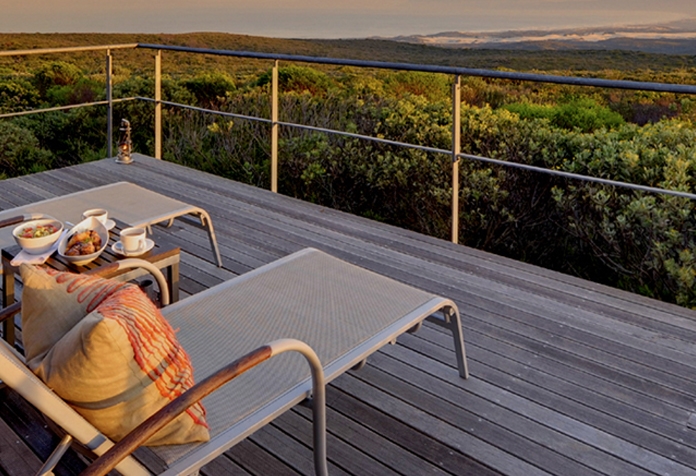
[
  {"x": 677, "y": 38},
  {"x": 553, "y": 57}
]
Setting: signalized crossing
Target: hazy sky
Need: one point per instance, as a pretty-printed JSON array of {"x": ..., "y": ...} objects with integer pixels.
[{"x": 329, "y": 18}]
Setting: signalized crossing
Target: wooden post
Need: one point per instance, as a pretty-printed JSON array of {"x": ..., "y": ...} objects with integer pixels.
[
  {"x": 158, "y": 104},
  {"x": 110, "y": 105},
  {"x": 456, "y": 149},
  {"x": 274, "y": 128}
]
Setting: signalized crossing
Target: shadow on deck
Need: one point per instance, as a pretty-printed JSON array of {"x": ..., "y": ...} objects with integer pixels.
[{"x": 567, "y": 377}]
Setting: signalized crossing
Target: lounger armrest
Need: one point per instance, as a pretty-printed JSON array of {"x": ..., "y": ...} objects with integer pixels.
[
  {"x": 130, "y": 263},
  {"x": 133, "y": 263},
  {"x": 20, "y": 218},
  {"x": 10, "y": 311},
  {"x": 166, "y": 414}
]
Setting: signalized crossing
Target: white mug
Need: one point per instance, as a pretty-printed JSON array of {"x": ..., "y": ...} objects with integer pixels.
[
  {"x": 98, "y": 213},
  {"x": 133, "y": 239}
]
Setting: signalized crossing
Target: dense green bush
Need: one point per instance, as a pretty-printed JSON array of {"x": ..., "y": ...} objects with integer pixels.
[
  {"x": 633, "y": 240},
  {"x": 583, "y": 114},
  {"x": 210, "y": 88},
  {"x": 434, "y": 87},
  {"x": 56, "y": 73},
  {"x": 299, "y": 79},
  {"x": 20, "y": 152},
  {"x": 17, "y": 94},
  {"x": 84, "y": 90},
  {"x": 640, "y": 241}
]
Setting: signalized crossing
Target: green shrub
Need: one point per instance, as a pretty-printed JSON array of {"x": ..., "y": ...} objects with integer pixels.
[
  {"x": 299, "y": 79},
  {"x": 434, "y": 87},
  {"x": 56, "y": 73},
  {"x": 210, "y": 88},
  {"x": 531, "y": 111},
  {"x": 20, "y": 153},
  {"x": 639, "y": 241},
  {"x": 84, "y": 90},
  {"x": 17, "y": 94},
  {"x": 585, "y": 115}
]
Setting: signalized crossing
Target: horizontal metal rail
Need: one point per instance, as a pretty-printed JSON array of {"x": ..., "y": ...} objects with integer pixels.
[
  {"x": 209, "y": 111},
  {"x": 424, "y": 148},
  {"x": 450, "y": 70},
  {"x": 69, "y": 49},
  {"x": 64, "y": 108},
  {"x": 301, "y": 126},
  {"x": 435, "y": 150},
  {"x": 586, "y": 178}
]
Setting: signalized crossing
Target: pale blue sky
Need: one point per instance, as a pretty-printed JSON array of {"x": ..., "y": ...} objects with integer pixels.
[{"x": 329, "y": 18}]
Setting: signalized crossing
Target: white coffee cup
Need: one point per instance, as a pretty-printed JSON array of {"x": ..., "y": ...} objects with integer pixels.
[
  {"x": 99, "y": 213},
  {"x": 133, "y": 239}
]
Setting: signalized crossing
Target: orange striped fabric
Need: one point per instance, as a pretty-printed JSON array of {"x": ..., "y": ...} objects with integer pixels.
[
  {"x": 88, "y": 287},
  {"x": 155, "y": 347}
]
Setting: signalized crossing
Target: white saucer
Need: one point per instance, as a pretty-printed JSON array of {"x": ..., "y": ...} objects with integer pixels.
[
  {"x": 109, "y": 224},
  {"x": 118, "y": 248}
]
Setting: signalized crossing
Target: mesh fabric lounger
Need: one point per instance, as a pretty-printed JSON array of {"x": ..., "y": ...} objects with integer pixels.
[
  {"x": 343, "y": 312},
  {"x": 125, "y": 201}
]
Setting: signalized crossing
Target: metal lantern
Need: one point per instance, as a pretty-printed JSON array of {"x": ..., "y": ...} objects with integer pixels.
[{"x": 125, "y": 145}]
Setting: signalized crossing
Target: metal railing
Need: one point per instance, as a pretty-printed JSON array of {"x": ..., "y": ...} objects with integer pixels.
[
  {"x": 455, "y": 72},
  {"x": 109, "y": 102}
]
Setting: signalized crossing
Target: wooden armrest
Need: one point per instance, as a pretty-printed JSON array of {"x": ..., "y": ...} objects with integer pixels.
[
  {"x": 166, "y": 414},
  {"x": 20, "y": 218},
  {"x": 10, "y": 311}
]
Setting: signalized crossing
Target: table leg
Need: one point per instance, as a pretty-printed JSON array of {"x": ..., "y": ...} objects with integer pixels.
[
  {"x": 172, "y": 275},
  {"x": 8, "y": 298}
]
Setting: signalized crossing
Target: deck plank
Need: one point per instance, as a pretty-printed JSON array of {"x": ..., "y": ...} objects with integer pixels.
[
  {"x": 567, "y": 376},
  {"x": 610, "y": 409},
  {"x": 17, "y": 459}
]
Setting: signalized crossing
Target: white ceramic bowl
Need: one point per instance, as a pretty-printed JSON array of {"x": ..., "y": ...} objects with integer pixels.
[
  {"x": 36, "y": 246},
  {"x": 90, "y": 223}
]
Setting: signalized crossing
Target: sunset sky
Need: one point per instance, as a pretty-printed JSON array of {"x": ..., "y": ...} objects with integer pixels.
[{"x": 329, "y": 18}]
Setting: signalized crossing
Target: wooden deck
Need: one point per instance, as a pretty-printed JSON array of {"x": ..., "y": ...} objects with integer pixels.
[{"x": 567, "y": 377}]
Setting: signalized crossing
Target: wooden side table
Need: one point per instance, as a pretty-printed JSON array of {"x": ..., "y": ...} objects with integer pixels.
[{"x": 164, "y": 255}]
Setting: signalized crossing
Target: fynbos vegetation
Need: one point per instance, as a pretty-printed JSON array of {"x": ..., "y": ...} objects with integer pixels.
[{"x": 636, "y": 241}]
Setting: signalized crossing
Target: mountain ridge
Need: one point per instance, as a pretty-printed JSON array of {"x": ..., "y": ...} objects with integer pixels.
[{"x": 677, "y": 37}]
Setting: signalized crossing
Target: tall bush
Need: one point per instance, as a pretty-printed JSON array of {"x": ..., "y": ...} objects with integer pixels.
[
  {"x": 642, "y": 242},
  {"x": 20, "y": 153}
]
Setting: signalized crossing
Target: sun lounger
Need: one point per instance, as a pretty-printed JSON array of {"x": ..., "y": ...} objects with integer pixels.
[
  {"x": 125, "y": 201},
  {"x": 343, "y": 312}
]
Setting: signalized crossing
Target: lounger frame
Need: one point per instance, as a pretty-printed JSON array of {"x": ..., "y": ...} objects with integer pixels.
[
  {"x": 128, "y": 202},
  {"x": 310, "y": 297}
]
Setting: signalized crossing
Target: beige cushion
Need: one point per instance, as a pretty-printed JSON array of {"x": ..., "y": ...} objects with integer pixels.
[{"x": 106, "y": 350}]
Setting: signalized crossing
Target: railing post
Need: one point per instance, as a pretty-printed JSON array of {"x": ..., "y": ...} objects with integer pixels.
[
  {"x": 158, "y": 104},
  {"x": 110, "y": 106},
  {"x": 274, "y": 128},
  {"x": 456, "y": 149}
]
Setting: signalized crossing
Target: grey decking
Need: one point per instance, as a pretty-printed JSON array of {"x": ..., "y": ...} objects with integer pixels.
[{"x": 567, "y": 377}]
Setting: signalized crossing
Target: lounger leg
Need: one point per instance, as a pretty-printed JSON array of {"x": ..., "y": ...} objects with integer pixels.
[
  {"x": 8, "y": 298},
  {"x": 207, "y": 222},
  {"x": 457, "y": 334},
  {"x": 359, "y": 365},
  {"x": 55, "y": 457},
  {"x": 453, "y": 322},
  {"x": 415, "y": 328},
  {"x": 318, "y": 399}
]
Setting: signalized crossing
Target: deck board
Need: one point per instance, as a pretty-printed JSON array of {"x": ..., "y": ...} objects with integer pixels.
[{"x": 568, "y": 377}]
